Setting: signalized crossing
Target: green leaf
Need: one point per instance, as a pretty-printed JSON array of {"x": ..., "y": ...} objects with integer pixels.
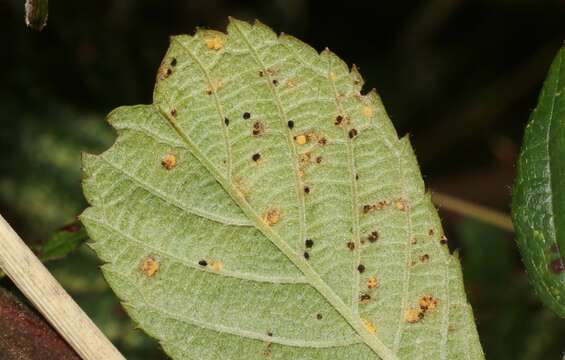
[
  {"x": 538, "y": 204},
  {"x": 263, "y": 207},
  {"x": 63, "y": 242}
]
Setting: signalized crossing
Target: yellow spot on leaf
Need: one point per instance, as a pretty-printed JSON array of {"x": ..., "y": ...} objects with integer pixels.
[
  {"x": 372, "y": 282},
  {"x": 169, "y": 161},
  {"x": 272, "y": 216},
  {"x": 367, "y": 111},
  {"x": 413, "y": 315},
  {"x": 149, "y": 266},
  {"x": 216, "y": 265},
  {"x": 400, "y": 204},
  {"x": 301, "y": 139},
  {"x": 369, "y": 326},
  {"x": 332, "y": 76},
  {"x": 215, "y": 42},
  {"x": 291, "y": 83}
]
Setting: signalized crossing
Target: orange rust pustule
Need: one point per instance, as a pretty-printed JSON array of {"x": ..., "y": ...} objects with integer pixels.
[
  {"x": 149, "y": 266},
  {"x": 272, "y": 216},
  {"x": 169, "y": 161}
]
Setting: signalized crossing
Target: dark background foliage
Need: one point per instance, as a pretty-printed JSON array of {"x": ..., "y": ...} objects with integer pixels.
[{"x": 460, "y": 76}]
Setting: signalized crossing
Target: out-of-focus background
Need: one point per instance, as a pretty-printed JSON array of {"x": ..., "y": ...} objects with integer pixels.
[{"x": 460, "y": 76}]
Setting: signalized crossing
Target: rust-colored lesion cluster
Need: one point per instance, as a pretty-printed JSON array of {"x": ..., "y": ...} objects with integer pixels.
[
  {"x": 426, "y": 304},
  {"x": 272, "y": 216},
  {"x": 149, "y": 266},
  {"x": 169, "y": 161}
]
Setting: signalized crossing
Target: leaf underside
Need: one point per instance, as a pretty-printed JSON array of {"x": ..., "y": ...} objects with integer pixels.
[
  {"x": 538, "y": 201},
  {"x": 262, "y": 207}
]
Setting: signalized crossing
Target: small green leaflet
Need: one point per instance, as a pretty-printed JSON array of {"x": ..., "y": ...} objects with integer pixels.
[
  {"x": 63, "y": 242},
  {"x": 263, "y": 207},
  {"x": 538, "y": 203}
]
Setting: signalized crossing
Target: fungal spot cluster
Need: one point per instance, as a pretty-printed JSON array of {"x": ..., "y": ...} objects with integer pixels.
[
  {"x": 367, "y": 111},
  {"x": 267, "y": 72},
  {"x": 373, "y": 236},
  {"x": 258, "y": 128},
  {"x": 215, "y": 42},
  {"x": 426, "y": 304},
  {"x": 368, "y": 324},
  {"x": 364, "y": 299},
  {"x": 308, "y": 244},
  {"x": 301, "y": 139},
  {"x": 443, "y": 240},
  {"x": 149, "y": 266},
  {"x": 165, "y": 72},
  {"x": 272, "y": 216},
  {"x": 400, "y": 204},
  {"x": 340, "y": 120},
  {"x": 372, "y": 282},
  {"x": 368, "y": 208},
  {"x": 351, "y": 245},
  {"x": 216, "y": 265},
  {"x": 169, "y": 161}
]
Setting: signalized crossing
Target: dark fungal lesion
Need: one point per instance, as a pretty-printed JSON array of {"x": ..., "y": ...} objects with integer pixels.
[
  {"x": 373, "y": 236},
  {"x": 309, "y": 243},
  {"x": 256, "y": 157},
  {"x": 203, "y": 262},
  {"x": 258, "y": 128},
  {"x": 247, "y": 115}
]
